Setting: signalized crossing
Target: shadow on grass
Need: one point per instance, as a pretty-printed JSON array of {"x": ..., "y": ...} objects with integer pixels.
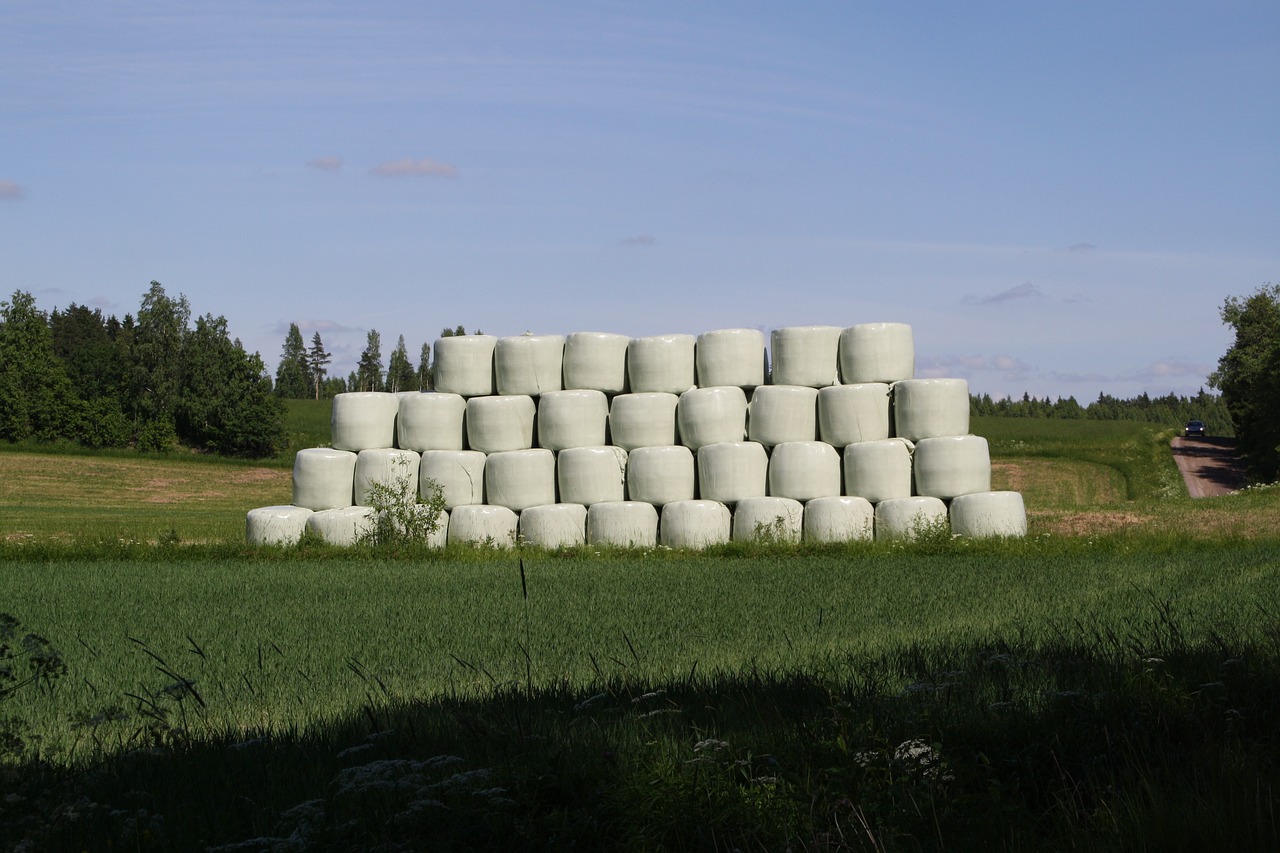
[{"x": 1097, "y": 740}]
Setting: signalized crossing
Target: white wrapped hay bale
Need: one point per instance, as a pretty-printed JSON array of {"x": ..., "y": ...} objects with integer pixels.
[
  {"x": 458, "y": 473},
  {"x": 440, "y": 535},
  {"x": 483, "y": 525},
  {"x": 909, "y": 519},
  {"x": 805, "y": 355},
  {"x": 431, "y": 421},
  {"x": 499, "y": 423},
  {"x": 989, "y": 514},
  {"x": 596, "y": 361},
  {"x": 803, "y": 470},
  {"x": 839, "y": 519},
  {"x": 342, "y": 527},
  {"x": 529, "y": 364},
  {"x": 276, "y": 525},
  {"x": 661, "y": 475},
  {"x": 877, "y": 352},
  {"x": 518, "y": 479},
  {"x": 952, "y": 465},
  {"x": 926, "y": 408},
  {"x": 324, "y": 478},
  {"x": 853, "y": 413},
  {"x": 695, "y": 524},
  {"x": 591, "y": 475},
  {"x": 390, "y": 467},
  {"x": 878, "y": 470},
  {"x": 622, "y": 524},
  {"x": 780, "y": 413},
  {"x": 572, "y": 418},
  {"x": 661, "y": 363},
  {"x": 730, "y": 357},
  {"x": 554, "y": 526},
  {"x": 464, "y": 365},
  {"x": 732, "y": 470},
  {"x": 643, "y": 420},
  {"x": 712, "y": 415},
  {"x": 768, "y": 519},
  {"x": 360, "y": 420}
]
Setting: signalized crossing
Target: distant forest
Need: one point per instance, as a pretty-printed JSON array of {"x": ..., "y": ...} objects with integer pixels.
[{"x": 1170, "y": 410}]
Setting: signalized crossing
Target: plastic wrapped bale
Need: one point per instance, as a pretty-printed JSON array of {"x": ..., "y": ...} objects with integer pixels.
[
  {"x": 439, "y": 536},
  {"x": 518, "y": 479},
  {"x": 643, "y": 420},
  {"x": 464, "y": 365},
  {"x": 851, "y": 413},
  {"x": 805, "y": 355},
  {"x": 529, "y": 364},
  {"x": 324, "y": 478},
  {"x": 695, "y": 524},
  {"x": 927, "y": 408},
  {"x": 396, "y": 471},
  {"x": 730, "y": 357},
  {"x": 989, "y": 515},
  {"x": 878, "y": 470},
  {"x": 911, "y": 519},
  {"x": 572, "y": 418},
  {"x": 590, "y": 475},
  {"x": 342, "y": 527},
  {"x": 768, "y": 519},
  {"x": 622, "y": 524},
  {"x": 661, "y": 475},
  {"x": 431, "y": 421},
  {"x": 483, "y": 525},
  {"x": 362, "y": 420},
  {"x": 781, "y": 413},
  {"x": 276, "y": 525},
  {"x": 596, "y": 361},
  {"x": 499, "y": 423},
  {"x": 803, "y": 470},
  {"x": 711, "y": 416},
  {"x": 458, "y": 473},
  {"x": 732, "y": 470},
  {"x": 951, "y": 465},
  {"x": 554, "y": 526},
  {"x": 662, "y": 363},
  {"x": 877, "y": 352},
  {"x": 839, "y": 519}
]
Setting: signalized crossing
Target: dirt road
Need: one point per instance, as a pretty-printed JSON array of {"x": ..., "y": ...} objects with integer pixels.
[{"x": 1208, "y": 465}]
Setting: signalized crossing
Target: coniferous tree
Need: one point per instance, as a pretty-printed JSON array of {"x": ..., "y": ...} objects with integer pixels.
[
  {"x": 369, "y": 376},
  {"x": 400, "y": 373},
  {"x": 318, "y": 359},
  {"x": 293, "y": 375},
  {"x": 424, "y": 368}
]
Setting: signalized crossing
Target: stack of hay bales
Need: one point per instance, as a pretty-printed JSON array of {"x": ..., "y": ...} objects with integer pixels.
[{"x": 596, "y": 438}]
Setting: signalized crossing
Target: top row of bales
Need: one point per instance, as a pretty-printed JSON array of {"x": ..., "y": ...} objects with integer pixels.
[{"x": 811, "y": 356}]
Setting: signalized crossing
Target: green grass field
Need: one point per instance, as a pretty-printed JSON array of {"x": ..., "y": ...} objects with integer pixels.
[{"x": 1106, "y": 683}]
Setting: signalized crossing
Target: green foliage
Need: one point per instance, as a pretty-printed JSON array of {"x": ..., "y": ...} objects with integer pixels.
[
  {"x": 36, "y": 397},
  {"x": 399, "y": 517},
  {"x": 26, "y": 660},
  {"x": 1170, "y": 410},
  {"x": 1248, "y": 375},
  {"x": 400, "y": 373},
  {"x": 318, "y": 359},
  {"x": 293, "y": 374},
  {"x": 368, "y": 373},
  {"x": 424, "y": 368}
]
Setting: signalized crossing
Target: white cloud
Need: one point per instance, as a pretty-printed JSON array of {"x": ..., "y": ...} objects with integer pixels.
[
  {"x": 326, "y": 164},
  {"x": 409, "y": 166},
  {"x": 11, "y": 189}
]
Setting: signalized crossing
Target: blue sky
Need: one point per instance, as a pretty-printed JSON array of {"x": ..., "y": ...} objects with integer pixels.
[{"x": 1057, "y": 197}]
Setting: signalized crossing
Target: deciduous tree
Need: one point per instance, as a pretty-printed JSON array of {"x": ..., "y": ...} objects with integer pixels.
[{"x": 1248, "y": 376}]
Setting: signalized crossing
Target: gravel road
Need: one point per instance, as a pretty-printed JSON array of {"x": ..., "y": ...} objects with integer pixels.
[{"x": 1209, "y": 465}]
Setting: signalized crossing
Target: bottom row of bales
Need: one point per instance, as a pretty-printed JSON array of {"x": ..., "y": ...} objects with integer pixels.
[{"x": 687, "y": 524}]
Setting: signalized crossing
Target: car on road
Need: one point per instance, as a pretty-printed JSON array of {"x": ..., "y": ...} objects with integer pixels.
[{"x": 1194, "y": 429}]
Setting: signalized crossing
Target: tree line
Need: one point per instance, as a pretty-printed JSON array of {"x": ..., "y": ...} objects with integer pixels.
[
  {"x": 150, "y": 380},
  {"x": 1171, "y": 409},
  {"x": 303, "y": 371},
  {"x": 1248, "y": 376}
]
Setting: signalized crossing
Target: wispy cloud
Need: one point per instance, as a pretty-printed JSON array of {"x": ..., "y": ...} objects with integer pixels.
[
  {"x": 1026, "y": 290},
  {"x": 409, "y": 166},
  {"x": 964, "y": 366},
  {"x": 11, "y": 189},
  {"x": 640, "y": 240},
  {"x": 1082, "y": 248},
  {"x": 1174, "y": 370},
  {"x": 326, "y": 164}
]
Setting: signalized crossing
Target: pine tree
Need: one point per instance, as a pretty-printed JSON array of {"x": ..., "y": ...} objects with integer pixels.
[
  {"x": 400, "y": 373},
  {"x": 369, "y": 369},
  {"x": 318, "y": 362},
  {"x": 293, "y": 375},
  {"x": 424, "y": 368}
]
